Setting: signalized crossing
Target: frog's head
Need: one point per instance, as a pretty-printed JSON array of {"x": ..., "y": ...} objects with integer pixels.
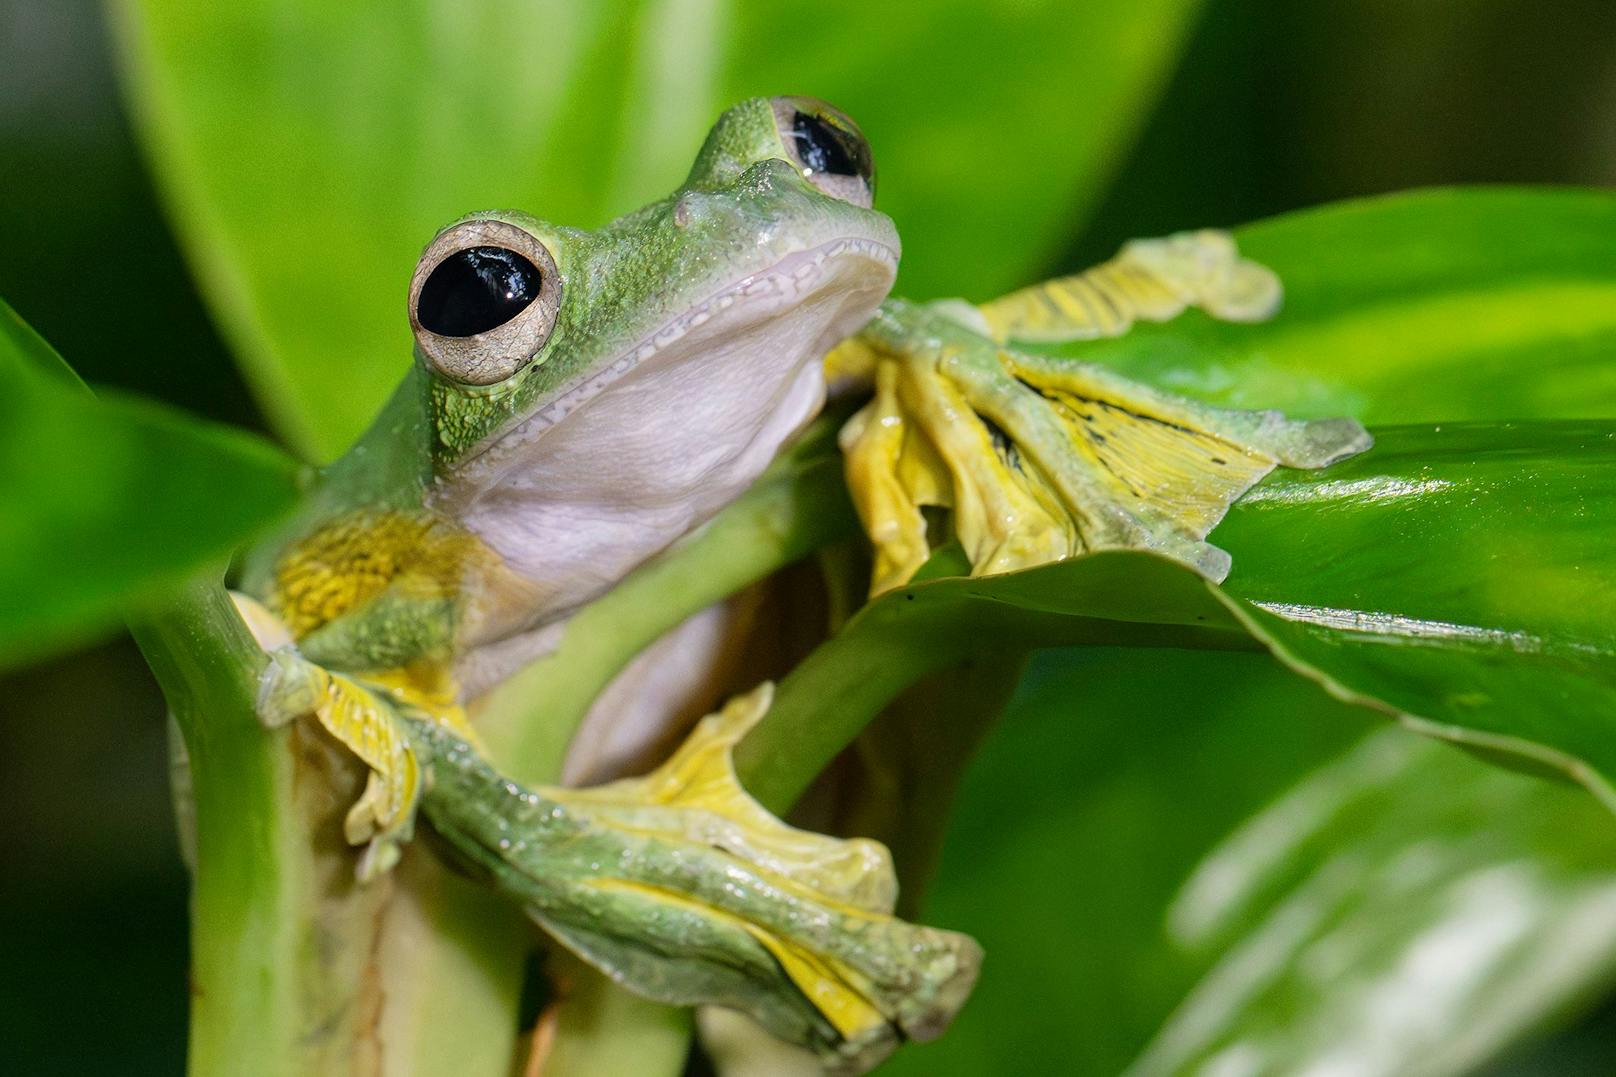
[{"x": 607, "y": 390}]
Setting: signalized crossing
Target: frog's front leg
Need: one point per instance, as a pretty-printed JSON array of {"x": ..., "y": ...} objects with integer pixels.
[
  {"x": 1040, "y": 457},
  {"x": 362, "y": 712},
  {"x": 918, "y": 444},
  {"x": 366, "y": 723},
  {"x": 1150, "y": 280}
]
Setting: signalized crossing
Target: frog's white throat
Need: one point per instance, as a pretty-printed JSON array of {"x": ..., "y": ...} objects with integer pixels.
[{"x": 612, "y": 470}]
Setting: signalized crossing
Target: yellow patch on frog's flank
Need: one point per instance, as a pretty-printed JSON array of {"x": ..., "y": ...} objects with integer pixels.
[
  {"x": 1150, "y": 280},
  {"x": 356, "y": 557}
]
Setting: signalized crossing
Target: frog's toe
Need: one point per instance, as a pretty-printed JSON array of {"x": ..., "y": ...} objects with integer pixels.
[
  {"x": 919, "y": 445},
  {"x": 1151, "y": 280},
  {"x": 1040, "y": 459},
  {"x": 1138, "y": 467},
  {"x": 375, "y": 823},
  {"x": 891, "y": 474},
  {"x": 364, "y": 722},
  {"x": 289, "y": 688},
  {"x": 380, "y": 857},
  {"x": 384, "y": 815}
]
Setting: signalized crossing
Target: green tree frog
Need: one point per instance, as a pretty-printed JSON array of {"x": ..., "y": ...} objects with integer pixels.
[{"x": 582, "y": 399}]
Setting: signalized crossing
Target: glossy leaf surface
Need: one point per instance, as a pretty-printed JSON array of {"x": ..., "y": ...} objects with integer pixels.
[
  {"x": 107, "y": 500},
  {"x": 1434, "y": 306},
  {"x": 1188, "y": 861},
  {"x": 1460, "y": 575},
  {"x": 310, "y": 151}
]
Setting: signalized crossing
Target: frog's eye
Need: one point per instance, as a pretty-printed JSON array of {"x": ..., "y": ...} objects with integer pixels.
[
  {"x": 483, "y": 301},
  {"x": 828, "y": 148}
]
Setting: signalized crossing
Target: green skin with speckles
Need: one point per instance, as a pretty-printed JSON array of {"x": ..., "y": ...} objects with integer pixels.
[
  {"x": 551, "y": 857},
  {"x": 744, "y": 211}
]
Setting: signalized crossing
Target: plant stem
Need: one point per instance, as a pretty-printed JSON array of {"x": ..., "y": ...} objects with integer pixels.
[
  {"x": 450, "y": 960},
  {"x": 600, "y": 1028},
  {"x": 913, "y": 756},
  {"x": 828, "y": 699},
  {"x": 244, "y": 929}
]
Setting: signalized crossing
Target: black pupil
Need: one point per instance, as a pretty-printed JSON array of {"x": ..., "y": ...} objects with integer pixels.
[
  {"x": 475, "y": 290},
  {"x": 824, "y": 147}
]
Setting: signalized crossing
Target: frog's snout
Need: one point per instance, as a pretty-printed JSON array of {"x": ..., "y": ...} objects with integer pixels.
[{"x": 767, "y": 175}]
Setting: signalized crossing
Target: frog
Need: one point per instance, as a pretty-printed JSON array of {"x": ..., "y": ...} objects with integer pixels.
[
  {"x": 581, "y": 400},
  {"x": 578, "y": 401}
]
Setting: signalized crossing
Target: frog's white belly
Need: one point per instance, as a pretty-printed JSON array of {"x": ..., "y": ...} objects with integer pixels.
[
  {"x": 596, "y": 520},
  {"x": 575, "y": 504},
  {"x": 656, "y": 458},
  {"x": 649, "y": 706}
]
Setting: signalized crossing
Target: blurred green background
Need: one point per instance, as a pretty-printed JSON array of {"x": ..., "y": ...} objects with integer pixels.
[{"x": 1273, "y": 106}]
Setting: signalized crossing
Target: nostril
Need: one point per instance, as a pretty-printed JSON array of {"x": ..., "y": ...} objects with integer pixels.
[{"x": 681, "y": 211}]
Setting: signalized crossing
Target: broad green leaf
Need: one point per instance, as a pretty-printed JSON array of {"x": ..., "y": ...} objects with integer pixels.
[
  {"x": 1461, "y": 576},
  {"x": 1435, "y": 306},
  {"x": 1196, "y": 863},
  {"x": 108, "y": 500},
  {"x": 309, "y": 150},
  {"x": 995, "y": 126}
]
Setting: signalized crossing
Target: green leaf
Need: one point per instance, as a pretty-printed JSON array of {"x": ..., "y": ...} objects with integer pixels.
[
  {"x": 1105, "y": 598},
  {"x": 308, "y": 151},
  {"x": 1435, "y": 306},
  {"x": 1460, "y": 576},
  {"x": 110, "y": 500},
  {"x": 988, "y": 168},
  {"x": 1201, "y": 854}
]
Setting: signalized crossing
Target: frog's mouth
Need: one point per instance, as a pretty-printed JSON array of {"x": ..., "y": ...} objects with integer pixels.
[
  {"x": 613, "y": 468},
  {"x": 770, "y": 300}
]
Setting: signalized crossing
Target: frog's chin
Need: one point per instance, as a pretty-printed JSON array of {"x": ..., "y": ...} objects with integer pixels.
[{"x": 613, "y": 469}]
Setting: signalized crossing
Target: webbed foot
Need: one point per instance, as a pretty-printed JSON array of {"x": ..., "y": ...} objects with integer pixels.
[
  {"x": 683, "y": 888},
  {"x": 383, "y": 818},
  {"x": 1150, "y": 280},
  {"x": 1038, "y": 457},
  {"x": 362, "y": 713}
]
